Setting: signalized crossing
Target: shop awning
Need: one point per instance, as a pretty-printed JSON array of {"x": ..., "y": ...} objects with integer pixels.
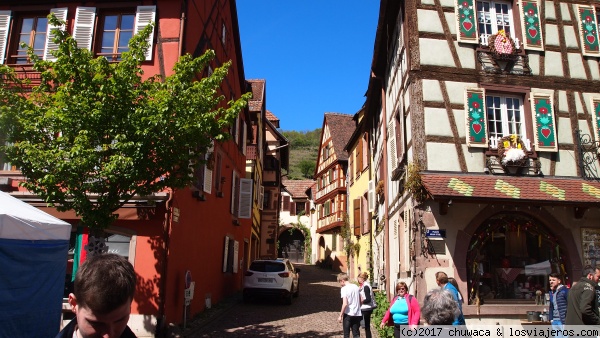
[{"x": 489, "y": 188}]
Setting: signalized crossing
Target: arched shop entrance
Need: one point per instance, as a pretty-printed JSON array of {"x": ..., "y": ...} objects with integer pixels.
[
  {"x": 291, "y": 245},
  {"x": 509, "y": 258}
]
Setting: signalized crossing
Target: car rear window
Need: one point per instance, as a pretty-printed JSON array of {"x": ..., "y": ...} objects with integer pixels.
[{"x": 267, "y": 266}]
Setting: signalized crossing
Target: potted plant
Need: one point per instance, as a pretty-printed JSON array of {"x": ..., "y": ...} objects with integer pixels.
[
  {"x": 511, "y": 151},
  {"x": 379, "y": 191}
]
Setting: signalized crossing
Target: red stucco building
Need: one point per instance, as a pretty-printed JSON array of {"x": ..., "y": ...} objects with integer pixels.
[{"x": 196, "y": 229}]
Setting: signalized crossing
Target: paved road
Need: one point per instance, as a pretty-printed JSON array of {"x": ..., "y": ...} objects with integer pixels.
[{"x": 313, "y": 314}]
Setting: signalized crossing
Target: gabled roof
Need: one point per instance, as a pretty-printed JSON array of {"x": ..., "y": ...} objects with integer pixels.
[
  {"x": 541, "y": 190},
  {"x": 341, "y": 127},
  {"x": 297, "y": 188},
  {"x": 258, "y": 94},
  {"x": 273, "y": 119}
]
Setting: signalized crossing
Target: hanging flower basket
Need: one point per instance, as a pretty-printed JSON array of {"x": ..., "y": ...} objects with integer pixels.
[
  {"x": 379, "y": 191},
  {"x": 502, "y": 46},
  {"x": 511, "y": 151}
]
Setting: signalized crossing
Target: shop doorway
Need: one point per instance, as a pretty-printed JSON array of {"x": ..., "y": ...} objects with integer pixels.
[{"x": 509, "y": 258}]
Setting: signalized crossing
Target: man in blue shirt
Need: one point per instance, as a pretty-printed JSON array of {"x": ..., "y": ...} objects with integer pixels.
[
  {"x": 442, "y": 281},
  {"x": 558, "y": 301}
]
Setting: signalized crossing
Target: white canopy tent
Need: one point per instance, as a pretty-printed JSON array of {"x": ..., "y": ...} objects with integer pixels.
[{"x": 33, "y": 256}]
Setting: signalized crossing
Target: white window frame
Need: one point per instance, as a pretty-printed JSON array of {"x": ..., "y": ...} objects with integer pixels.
[
  {"x": 521, "y": 129},
  {"x": 483, "y": 36}
]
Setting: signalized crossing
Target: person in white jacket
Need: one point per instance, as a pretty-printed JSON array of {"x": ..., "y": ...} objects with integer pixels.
[{"x": 367, "y": 303}]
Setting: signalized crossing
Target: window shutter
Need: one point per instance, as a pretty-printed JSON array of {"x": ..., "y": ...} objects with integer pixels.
[
  {"x": 261, "y": 197},
  {"x": 61, "y": 14},
  {"x": 359, "y": 164},
  {"x": 476, "y": 117},
  {"x": 292, "y": 209},
  {"x": 286, "y": 203},
  {"x": 466, "y": 21},
  {"x": 208, "y": 172},
  {"x": 399, "y": 136},
  {"x": 356, "y": 203},
  {"x": 365, "y": 221},
  {"x": 234, "y": 205},
  {"x": 4, "y": 25},
  {"x": 143, "y": 17},
  {"x": 392, "y": 154},
  {"x": 351, "y": 168},
  {"x": 236, "y": 131},
  {"x": 371, "y": 196},
  {"x": 236, "y": 252},
  {"x": 244, "y": 137},
  {"x": 588, "y": 30},
  {"x": 245, "y": 210},
  {"x": 542, "y": 108},
  {"x": 225, "y": 254},
  {"x": 596, "y": 117},
  {"x": 530, "y": 25},
  {"x": 83, "y": 30}
]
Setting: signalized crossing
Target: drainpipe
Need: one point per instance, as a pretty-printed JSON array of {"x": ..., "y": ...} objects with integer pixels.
[{"x": 161, "y": 325}]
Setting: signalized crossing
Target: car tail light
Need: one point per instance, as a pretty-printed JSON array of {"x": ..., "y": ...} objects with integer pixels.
[
  {"x": 284, "y": 274},
  {"x": 248, "y": 273}
]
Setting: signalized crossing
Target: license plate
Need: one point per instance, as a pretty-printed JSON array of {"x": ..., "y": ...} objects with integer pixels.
[{"x": 266, "y": 280}]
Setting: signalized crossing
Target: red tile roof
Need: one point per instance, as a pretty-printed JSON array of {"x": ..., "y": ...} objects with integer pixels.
[
  {"x": 297, "y": 188},
  {"x": 341, "y": 127},
  {"x": 271, "y": 117},
  {"x": 496, "y": 187},
  {"x": 258, "y": 94}
]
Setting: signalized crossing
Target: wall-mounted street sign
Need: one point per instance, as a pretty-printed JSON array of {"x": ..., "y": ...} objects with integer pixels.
[{"x": 435, "y": 233}]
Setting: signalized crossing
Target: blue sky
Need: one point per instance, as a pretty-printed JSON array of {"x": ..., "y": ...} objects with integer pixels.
[{"x": 315, "y": 55}]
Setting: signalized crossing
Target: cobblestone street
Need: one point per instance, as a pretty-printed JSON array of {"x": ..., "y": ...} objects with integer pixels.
[{"x": 313, "y": 314}]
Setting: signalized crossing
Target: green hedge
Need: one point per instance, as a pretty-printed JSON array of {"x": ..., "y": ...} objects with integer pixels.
[{"x": 382, "y": 305}]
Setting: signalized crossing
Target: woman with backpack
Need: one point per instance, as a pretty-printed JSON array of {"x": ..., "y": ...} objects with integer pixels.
[
  {"x": 404, "y": 310},
  {"x": 367, "y": 301}
]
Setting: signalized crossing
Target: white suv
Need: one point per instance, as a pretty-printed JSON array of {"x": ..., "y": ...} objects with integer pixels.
[{"x": 272, "y": 278}]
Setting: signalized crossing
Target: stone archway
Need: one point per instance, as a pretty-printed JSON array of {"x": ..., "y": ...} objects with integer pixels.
[
  {"x": 291, "y": 245},
  {"x": 551, "y": 234}
]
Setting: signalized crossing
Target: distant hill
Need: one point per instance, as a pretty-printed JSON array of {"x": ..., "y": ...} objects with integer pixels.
[{"x": 304, "y": 149}]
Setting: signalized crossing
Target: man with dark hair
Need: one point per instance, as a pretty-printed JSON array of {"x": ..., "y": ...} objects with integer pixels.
[
  {"x": 558, "y": 301},
  {"x": 439, "y": 307},
  {"x": 441, "y": 279},
  {"x": 582, "y": 304},
  {"x": 101, "y": 300}
]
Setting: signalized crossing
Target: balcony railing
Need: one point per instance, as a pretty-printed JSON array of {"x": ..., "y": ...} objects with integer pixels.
[
  {"x": 251, "y": 152},
  {"x": 495, "y": 139},
  {"x": 339, "y": 183},
  {"x": 26, "y": 72},
  {"x": 328, "y": 220},
  {"x": 484, "y": 40}
]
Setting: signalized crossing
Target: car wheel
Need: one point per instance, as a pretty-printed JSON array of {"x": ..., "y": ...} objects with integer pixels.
[
  {"x": 288, "y": 298},
  {"x": 297, "y": 293}
]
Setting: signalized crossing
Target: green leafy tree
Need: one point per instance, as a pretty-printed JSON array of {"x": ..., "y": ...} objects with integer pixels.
[
  {"x": 307, "y": 168},
  {"x": 94, "y": 134}
]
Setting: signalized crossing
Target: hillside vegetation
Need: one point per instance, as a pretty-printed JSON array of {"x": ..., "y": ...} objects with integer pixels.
[{"x": 304, "y": 149}]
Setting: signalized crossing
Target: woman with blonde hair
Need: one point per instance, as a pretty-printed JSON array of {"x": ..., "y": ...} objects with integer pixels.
[
  {"x": 367, "y": 303},
  {"x": 404, "y": 310}
]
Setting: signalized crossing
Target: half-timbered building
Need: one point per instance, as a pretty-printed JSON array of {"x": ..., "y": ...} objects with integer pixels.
[
  {"x": 330, "y": 196},
  {"x": 485, "y": 128}
]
